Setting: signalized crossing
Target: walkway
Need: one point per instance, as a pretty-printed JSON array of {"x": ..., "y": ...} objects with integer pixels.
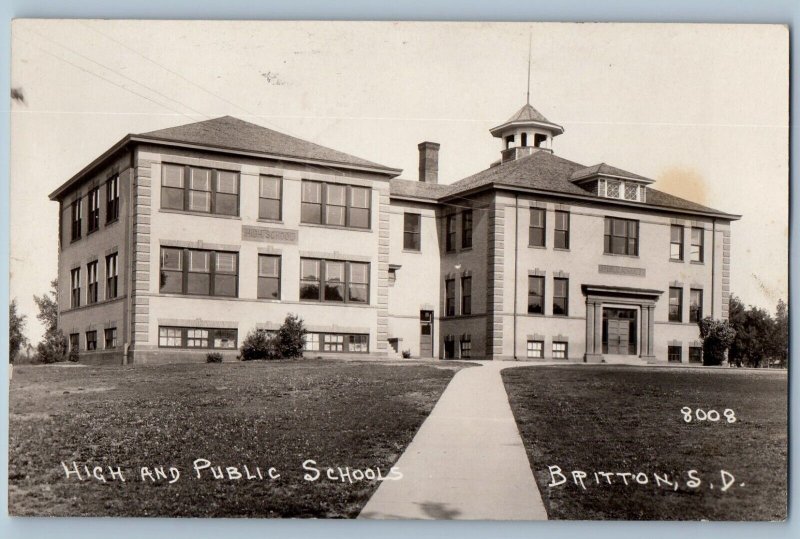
[{"x": 467, "y": 461}]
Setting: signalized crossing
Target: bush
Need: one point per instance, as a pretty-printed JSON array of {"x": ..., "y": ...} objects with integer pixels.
[
  {"x": 73, "y": 356},
  {"x": 259, "y": 344},
  {"x": 288, "y": 342},
  {"x": 292, "y": 337},
  {"x": 717, "y": 337},
  {"x": 406, "y": 354},
  {"x": 53, "y": 347},
  {"x": 213, "y": 357}
]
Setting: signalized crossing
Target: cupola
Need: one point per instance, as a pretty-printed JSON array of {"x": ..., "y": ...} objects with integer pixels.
[{"x": 526, "y": 132}]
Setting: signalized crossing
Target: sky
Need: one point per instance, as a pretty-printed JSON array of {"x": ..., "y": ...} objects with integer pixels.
[{"x": 702, "y": 109}]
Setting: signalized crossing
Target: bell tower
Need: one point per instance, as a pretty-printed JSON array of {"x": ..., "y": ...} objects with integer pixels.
[{"x": 527, "y": 131}]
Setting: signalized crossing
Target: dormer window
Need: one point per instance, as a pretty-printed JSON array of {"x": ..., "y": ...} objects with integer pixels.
[{"x": 610, "y": 182}]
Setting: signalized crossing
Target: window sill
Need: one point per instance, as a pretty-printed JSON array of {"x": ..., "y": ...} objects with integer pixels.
[
  {"x": 564, "y": 249},
  {"x": 197, "y": 296},
  {"x": 676, "y": 260},
  {"x": 466, "y": 249},
  {"x": 412, "y": 251},
  {"x": 90, "y": 232},
  {"x": 200, "y": 214},
  {"x": 75, "y": 240},
  {"x": 96, "y": 304},
  {"x": 620, "y": 255},
  {"x": 111, "y": 222},
  {"x": 697, "y": 263},
  {"x": 270, "y": 221},
  {"x": 537, "y": 246},
  {"x": 336, "y": 227}
]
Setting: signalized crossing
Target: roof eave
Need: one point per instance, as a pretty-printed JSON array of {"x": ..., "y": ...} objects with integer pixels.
[
  {"x": 495, "y": 131},
  {"x": 588, "y": 198},
  {"x": 598, "y": 175},
  {"x": 113, "y": 150},
  {"x": 384, "y": 171}
]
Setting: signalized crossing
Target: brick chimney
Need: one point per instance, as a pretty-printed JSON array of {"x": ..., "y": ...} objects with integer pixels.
[{"x": 428, "y": 162}]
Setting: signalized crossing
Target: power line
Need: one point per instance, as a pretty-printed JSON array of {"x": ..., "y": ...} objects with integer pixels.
[
  {"x": 76, "y": 53},
  {"x": 81, "y": 68}
]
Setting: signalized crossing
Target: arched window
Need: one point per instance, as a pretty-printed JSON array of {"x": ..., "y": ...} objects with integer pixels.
[
  {"x": 539, "y": 140},
  {"x": 524, "y": 139},
  {"x": 509, "y": 141}
]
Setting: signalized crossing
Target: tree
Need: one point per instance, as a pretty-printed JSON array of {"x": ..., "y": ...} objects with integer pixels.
[
  {"x": 54, "y": 343},
  {"x": 48, "y": 307},
  {"x": 292, "y": 337},
  {"x": 16, "y": 331},
  {"x": 781, "y": 333},
  {"x": 717, "y": 337}
]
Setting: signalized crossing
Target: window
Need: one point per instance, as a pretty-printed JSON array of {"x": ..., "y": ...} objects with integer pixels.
[
  {"x": 450, "y": 233},
  {"x": 695, "y": 354},
  {"x": 631, "y": 191},
  {"x": 674, "y": 354},
  {"x": 621, "y": 236},
  {"x": 696, "y": 253},
  {"x": 75, "y": 287},
  {"x": 185, "y": 337},
  {"x": 509, "y": 141},
  {"x": 91, "y": 340},
  {"x": 535, "y": 294},
  {"x": 560, "y": 297},
  {"x": 94, "y": 210},
  {"x": 269, "y": 197},
  {"x": 111, "y": 276},
  {"x": 91, "y": 278},
  {"x": 523, "y": 139},
  {"x": 536, "y": 349},
  {"x": 74, "y": 342},
  {"x": 676, "y": 242},
  {"x": 332, "y": 342},
  {"x": 613, "y": 188},
  {"x": 334, "y": 280},
  {"x": 335, "y": 204},
  {"x": 539, "y": 139},
  {"x": 559, "y": 350},
  {"x": 200, "y": 190},
  {"x": 269, "y": 276},
  {"x": 77, "y": 219},
  {"x": 466, "y": 295},
  {"x": 198, "y": 272},
  {"x": 466, "y": 229},
  {"x": 112, "y": 199},
  {"x": 312, "y": 342},
  {"x": 536, "y": 235},
  {"x": 354, "y": 343},
  {"x": 561, "y": 236},
  {"x": 358, "y": 282},
  {"x": 111, "y": 338},
  {"x": 358, "y": 209},
  {"x": 411, "y": 231},
  {"x": 466, "y": 347},
  {"x": 450, "y": 297},
  {"x": 695, "y": 305},
  {"x": 675, "y": 304}
]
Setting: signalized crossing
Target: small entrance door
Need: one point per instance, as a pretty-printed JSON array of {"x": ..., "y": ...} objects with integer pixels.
[
  {"x": 619, "y": 331},
  {"x": 426, "y": 334}
]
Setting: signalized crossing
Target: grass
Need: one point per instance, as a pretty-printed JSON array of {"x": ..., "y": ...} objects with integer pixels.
[
  {"x": 267, "y": 414},
  {"x": 628, "y": 419}
]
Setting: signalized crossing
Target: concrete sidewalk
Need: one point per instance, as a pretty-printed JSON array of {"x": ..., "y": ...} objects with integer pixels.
[{"x": 467, "y": 461}]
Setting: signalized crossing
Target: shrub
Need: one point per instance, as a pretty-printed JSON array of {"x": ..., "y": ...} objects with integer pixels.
[
  {"x": 406, "y": 354},
  {"x": 717, "y": 337},
  {"x": 53, "y": 347},
  {"x": 213, "y": 357},
  {"x": 292, "y": 337},
  {"x": 73, "y": 355},
  {"x": 259, "y": 344}
]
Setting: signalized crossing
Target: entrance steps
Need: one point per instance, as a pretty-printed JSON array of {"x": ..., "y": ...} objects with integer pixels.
[{"x": 622, "y": 359}]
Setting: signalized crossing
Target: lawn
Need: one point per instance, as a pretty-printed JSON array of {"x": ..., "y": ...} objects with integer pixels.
[
  {"x": 356, "y": 415},
  {"x": 622, "y": 419}
]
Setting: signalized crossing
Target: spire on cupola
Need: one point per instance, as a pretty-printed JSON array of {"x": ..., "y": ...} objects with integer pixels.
[{"x": 527, "y": 131}]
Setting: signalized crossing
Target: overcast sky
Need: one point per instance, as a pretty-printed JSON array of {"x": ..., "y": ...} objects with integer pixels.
[{"x": 702, "y": 109}]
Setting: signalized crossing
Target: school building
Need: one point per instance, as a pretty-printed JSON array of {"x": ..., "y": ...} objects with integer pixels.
[{"x": 178, "y": 242}]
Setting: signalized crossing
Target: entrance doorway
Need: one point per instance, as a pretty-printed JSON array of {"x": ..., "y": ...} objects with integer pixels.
[
  {"x": 619, "y": 331},
  {"x": 426, "y": 334}
]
